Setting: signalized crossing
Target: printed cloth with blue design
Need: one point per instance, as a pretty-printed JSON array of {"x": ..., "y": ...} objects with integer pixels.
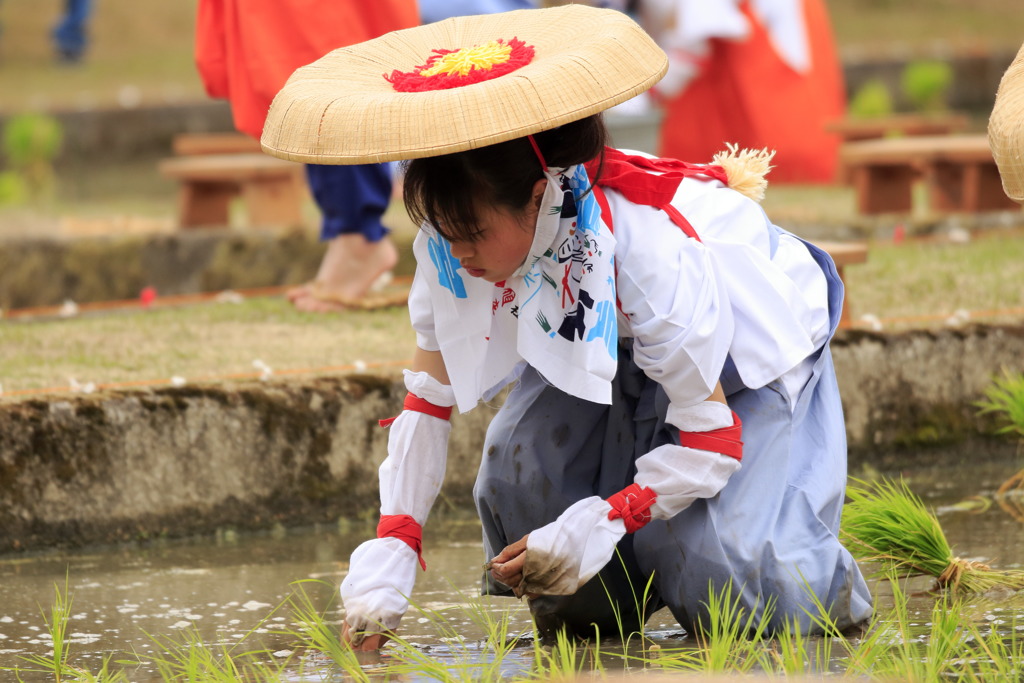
[{"x": 557, "y": 312}]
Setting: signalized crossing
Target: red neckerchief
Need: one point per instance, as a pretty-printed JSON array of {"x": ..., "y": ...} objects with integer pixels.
[{"x": 649, "y": 182}]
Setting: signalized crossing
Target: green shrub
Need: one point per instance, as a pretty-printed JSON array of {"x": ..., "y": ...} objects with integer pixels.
[
  {"x": 31, "y": 142},
  {"x": 871, "y": 99},
  {"x": 926, "y": 84}
]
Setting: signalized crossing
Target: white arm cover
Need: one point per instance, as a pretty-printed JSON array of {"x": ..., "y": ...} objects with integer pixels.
[
  {"x": 568, "y": 552},
  {"x": 382, "y": 571},
  {"x": 680, "y": 475},
  {"x": 565, "y": 554},
  {"x": 410, "y": 483}
]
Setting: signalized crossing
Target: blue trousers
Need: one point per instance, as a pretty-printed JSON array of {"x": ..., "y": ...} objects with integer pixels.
[
  {"x": 770, "y": 534},
  {"x": 69, "y": 34},
  {"x": 352, "y": 199}
]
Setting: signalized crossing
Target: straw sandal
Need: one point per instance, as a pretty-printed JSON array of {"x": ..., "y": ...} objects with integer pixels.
[{"x": 372, "y": 301}]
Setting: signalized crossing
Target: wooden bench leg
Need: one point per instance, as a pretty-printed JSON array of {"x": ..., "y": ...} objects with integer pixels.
[
  {"x": 967, "y": 187},
  {"x": 991, "y": 195},
  {"x": 845, "y": 319},
  {"x": 204, "y": 203},
  {"x": 273, "y": 202},
  {"x": 946, "y": 187},
  {"x": 884, "y": 188}
]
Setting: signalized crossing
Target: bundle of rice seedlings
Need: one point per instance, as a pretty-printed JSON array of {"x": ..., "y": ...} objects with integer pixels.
[{"x": 885, "y": 523}]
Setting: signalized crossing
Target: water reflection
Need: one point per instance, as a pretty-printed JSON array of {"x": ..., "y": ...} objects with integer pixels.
[{"x": 231, "y": 585}]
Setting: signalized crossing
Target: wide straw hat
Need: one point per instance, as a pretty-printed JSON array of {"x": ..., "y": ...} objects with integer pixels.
[
  {"x": 459, "y": 84},
  {"x": 1006, "y": 129}
]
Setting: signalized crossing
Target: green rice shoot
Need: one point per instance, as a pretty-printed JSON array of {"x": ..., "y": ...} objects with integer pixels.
[{"x": 885, "y": 523}]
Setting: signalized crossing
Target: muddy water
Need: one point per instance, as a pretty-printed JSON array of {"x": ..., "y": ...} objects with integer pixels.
[{"x": 231, "y": 588}]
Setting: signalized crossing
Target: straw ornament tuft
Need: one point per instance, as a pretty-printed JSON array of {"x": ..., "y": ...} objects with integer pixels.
[
  {"x": 1006, "y": 129},
  {"x": 746, "y": 169},
  {"x": 459, "y": 84}
]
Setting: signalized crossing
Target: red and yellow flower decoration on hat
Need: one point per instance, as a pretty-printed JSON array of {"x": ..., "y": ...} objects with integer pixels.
[{"x": 455, "y": 68}]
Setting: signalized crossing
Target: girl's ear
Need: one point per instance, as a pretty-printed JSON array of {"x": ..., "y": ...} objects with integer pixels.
[{"x": 539, "y": 188}]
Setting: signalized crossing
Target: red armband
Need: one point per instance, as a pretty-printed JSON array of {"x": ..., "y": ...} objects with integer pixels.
[
  {"x": 633, "y": 505},
  {"x": 419, "y": 405},
  {"x": 727, "y": 440},
  {"x": 405, "y": 529}
]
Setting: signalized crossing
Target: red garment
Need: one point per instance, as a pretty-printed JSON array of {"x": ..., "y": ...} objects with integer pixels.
[
  {"x": 246, "y": 49},
  {"x": 749, "y": 96}
]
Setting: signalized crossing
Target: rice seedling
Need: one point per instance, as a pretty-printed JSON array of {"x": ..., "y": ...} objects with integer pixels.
[
  {"x": 191, "y": 659},
  {"x": 885, "y": 522},
  {"x": 641, "y": 602},
  {"x": 789, "y": 650},
  {"x": 458, "y": 657},
  {"x": 731, "y": 642},
  {"x": 564, "y": 661},
  {"x": 895, "y": 648},
  {"x": 993, "y": 656},
  {"x": 1005, "y": 398},
  {"x": 55, "y": 665},
  {"x": 313, "y": 633}
]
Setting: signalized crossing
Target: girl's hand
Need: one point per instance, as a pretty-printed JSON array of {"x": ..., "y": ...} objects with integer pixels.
[
  {"x": 507, "y": 566},
  {"x": 361, "y": 641}
]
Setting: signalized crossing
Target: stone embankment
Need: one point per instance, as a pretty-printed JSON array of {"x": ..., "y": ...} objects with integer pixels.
[{"x": 133, "y": 465}]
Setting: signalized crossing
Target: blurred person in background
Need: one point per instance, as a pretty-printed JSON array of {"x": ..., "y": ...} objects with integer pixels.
[
  {"x": 758, "y": 73},
  {"x": 436, "y": 10},
  {"x": 245, "y": 51},
  {"x": 69, "y": 33}
]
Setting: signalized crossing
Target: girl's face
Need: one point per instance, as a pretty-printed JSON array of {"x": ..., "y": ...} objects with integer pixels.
[
  {"x": 500, "y": 246},
  {"x": 502, "y": 241}
]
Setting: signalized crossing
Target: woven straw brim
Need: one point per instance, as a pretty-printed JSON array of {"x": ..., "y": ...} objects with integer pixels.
[
  {"x": 341, "y": 110},
  {"x": 1006, "y": 129}
]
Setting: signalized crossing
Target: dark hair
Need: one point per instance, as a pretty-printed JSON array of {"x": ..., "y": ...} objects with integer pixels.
[{"x": 446, "y": 190}]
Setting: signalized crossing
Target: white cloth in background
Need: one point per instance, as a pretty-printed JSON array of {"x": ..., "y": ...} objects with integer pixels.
[{"x": 683, "y": 28}]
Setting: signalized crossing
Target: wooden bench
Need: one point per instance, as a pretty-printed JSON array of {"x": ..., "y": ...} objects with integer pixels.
[
  {"x": 271, "y": 189},
  {"x": 897, "y": 125},
  {"x": 189, "y": 144},
  {"x": 845, "y": 254},
  {"x": 958, "y": 171}
]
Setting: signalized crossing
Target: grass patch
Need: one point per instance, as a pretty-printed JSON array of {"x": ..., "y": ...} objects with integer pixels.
[
  {"x": 903, "y": 282},
  {"x": 202, "y": 342}
]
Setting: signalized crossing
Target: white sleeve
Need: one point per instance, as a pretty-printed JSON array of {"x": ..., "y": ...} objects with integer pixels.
[
  {"x": 412, "y": 474},
  {"x": 776, "y": 290},
  {"x": 745, "y": 289},
  {"x": 382, "y": 571},
  {"x": 421, "y": 312},
  {"x": 677, "y": 307}
]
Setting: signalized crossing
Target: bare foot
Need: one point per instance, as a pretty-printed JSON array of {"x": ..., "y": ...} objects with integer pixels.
[{"x": 350, "y": 267}]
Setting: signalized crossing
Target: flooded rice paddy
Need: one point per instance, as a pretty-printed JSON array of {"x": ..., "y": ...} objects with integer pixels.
[{"x": 232, "y": 588}]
